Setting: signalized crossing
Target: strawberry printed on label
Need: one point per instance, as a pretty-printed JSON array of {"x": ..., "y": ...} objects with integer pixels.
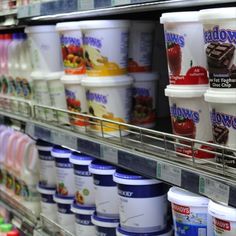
[{"x": 174, "y": 56}]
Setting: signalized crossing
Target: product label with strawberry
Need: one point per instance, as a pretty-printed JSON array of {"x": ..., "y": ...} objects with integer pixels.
[{"x": 185, "y": 54}]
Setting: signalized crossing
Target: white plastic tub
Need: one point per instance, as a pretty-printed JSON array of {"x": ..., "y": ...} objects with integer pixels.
[
  {"x": 140, "y": 46},
  {"x": 83, "y": 219},
  {"x": 189, "y": 212},
  {"x": 223, "y": 219},
  {"x": 106, "y": 196},
  {"x": 84, "y": 187},
  {"x": 142, "y": 202},
  {"x": 109, "y": 98},
  {"x": 44, "y": 48},
  {"x": 218, "y": 33},
  {"x": 105, "y": 46},
  {"x": 72, "y": 47},
  {"x": 144, "y": 99},
  {"x": 184, "y": 45}
]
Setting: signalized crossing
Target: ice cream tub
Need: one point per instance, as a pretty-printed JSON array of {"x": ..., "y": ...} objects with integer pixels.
[
  {"x": 141, "y": 39},
  {"x": 190, "y": 118},
  {"x": 219, "y": 38},
  {"x": 189, "y": 212},
  {"x": 83, "y": 219},
  {"x": 71, "y": 40},
  {"x": 109, "y": 98},
  {"x": 144, "y": 112},
  {"x": 106, "y": 199},
  {"x": 185, "y": 48},
  {"x": 150, "y": 197},
  {"x": 84, "y": 187},
  {"x": 223, "y": 219},
  {"x": 105, "y": 44}
]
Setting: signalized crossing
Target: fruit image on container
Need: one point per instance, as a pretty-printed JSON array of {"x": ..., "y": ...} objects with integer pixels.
[
  {"x": 61, "y": 189},
  {"x": 79, "y": 198},
  {"x": 174, "y": 56}
]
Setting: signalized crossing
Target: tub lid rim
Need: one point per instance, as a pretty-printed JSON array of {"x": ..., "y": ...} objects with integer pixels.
[
  {"x": 65, "y": 26},
  {"x": 179, "y": 17},
  {"x": 219, "y": 96},
  {"x": 104, "y": 24}
]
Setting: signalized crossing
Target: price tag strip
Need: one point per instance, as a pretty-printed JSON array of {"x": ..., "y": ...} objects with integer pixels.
[
  {"x": 64, "y": 139},
  {"x": 109, "y": 154}
]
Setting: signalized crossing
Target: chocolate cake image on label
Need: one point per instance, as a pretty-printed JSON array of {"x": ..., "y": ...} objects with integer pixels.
[{"x": 220, "y": 134}]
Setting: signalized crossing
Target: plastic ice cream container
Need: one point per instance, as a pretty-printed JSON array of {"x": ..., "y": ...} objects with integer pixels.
[
  {"x": 64, "y": 172},
  {"x": 219, "y": 38},
  {"x": 65, "y": 216},
  {"x": 190, "y": 118},
  {"x": 109, "y": 98},
  {"x": 189, "y": 212},
  {"x": 141, "y": 39},
  {"x": 222, "y": 107},
  {"x": 223, "y": 219},
  {"x": 106, "y": 199},
  {"x": 150, "y": 197},
  {"x": 71, "y": 39},
  {"x": 144, "y": 112},
  {"x": 84, "y": 188},
  {"x": 185, "y": 48},
  {"x": 76, "y": 99},
  {"x": 83, "y": 219},
  {"x": 44, "y": 48},
  {"x": 105, "y": 44},
  {"x": 105, "y": 226}
]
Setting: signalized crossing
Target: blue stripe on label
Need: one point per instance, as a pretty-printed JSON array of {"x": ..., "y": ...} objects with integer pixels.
[
  {"x": 81, "y": 170},
  {"x": 141, "y": 191},
  {"x": 47, "y": 198},
  {"x": 193, "y": 230},
  {"x": 46, "y": 156},
  {"x": 103, "y": 180},
  {"x": 102, "y": 231},
  {"x": 64, "y": 208},
  {"x": 63, "y": 163},
  {"x": 83, "y": 219}
]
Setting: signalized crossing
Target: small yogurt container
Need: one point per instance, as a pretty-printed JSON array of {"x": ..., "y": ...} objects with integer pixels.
[
  {"x": 219, "y": 38},
  {"x": 185, "y": 48},
  {"x": 144, "y": 112},
  {"x": 150, "y": 197},
  {"x": 141, "y": 39},
  {"x": 105, "y": 226},
  {"x": 84, "y": 188},
  {"x": 189, "y": 212},
  {"x": 109, "y": 98},
  {"x": 106, "y": 196},
  {"x": 83, "y": 219},
  {"x": 105, "y": 44},
  {"x": 223, "y": 219},
  {"x": 72, "y": 47},
  {"x": 190, "y": 118},
  {"x": 65, "y": 216},
  {"x": 64, "y": 172},
  {"x": 76, "y": 100}
]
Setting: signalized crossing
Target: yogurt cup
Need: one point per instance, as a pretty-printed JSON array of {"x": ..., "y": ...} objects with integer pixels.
[
  {"x": 141, "y": 39},
  {"x": 64, "y": 172},
  {"x": 83, "y": 219},
  {"x": 105, "y": 226},
  {"x": 65, "y": 216},
  {"x": 223, "y": 219},
  {"x": 76, "y": 100},
  {"x": 190, "y": 118},
  {"x": 150, "y": 197},
  {"x": 44, "y": 48},
  {"x": 144, "y": 112},
  {"x": 189, "y": 212},
  {"x": 106, "y": 199},
  {"x": 109, "y": 98},
  {"x": 219, "y": 38},
  {"x": 84, "y": 187},
  {"x": 222, "y": 107},
  {"x": 105, "y": 44},
  {"x": 72, "y": 47},
  {"x": 185, "y": 48}
]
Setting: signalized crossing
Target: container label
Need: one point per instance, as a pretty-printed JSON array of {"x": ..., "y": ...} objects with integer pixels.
[
  {"x": 223, "y": 228},
  {"x": 83, "y": 219}
]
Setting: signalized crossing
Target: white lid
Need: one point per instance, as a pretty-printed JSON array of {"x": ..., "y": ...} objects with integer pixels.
[
  {"x": 43, "y": 190},
  {"x": 183, "y": 197},
  {"x": 185, "y": 91},
  {"x": 104, "y": 24},
  {"x": 72, "y": 79},
  {"x": 54, "y": 75},
  {"x": 37, "y": 75},
  {"x": 144, "y": 76},
  {"x": 44, "y": 148},
  {"x": 73, "y": 25},
  {"x": 60, "y": 152},
  {"x": 107, "y": 81},
  {"x": 217, "y": 14},
  {"x": 40, "y": 29},
  {"x": 101, "y": 168},
  {"x": 220, "y": 96},
  {"x": 82, "y": 209},
  {"x": 178, "y": 17},
  {"x": 104, "y": 222},
  {"x": 63, "y": 200},
  {"x": 80, "y": 159},
  {"x": 222, "y": 212}
]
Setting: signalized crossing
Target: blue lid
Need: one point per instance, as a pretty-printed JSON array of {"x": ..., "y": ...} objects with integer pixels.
[
  {"x": 43, "y": 186},
  {"x": 101, "y": 165},
  {"x": 16, "y": 36},
  {"x": 125, "y": 174},
  {"x": 105, "y": 219},
  {"x": 62, "y": 199},
  {"x": 83, "y": 207},
  {"x": 80, "y": 158},
  {"x": 60, "y": 152}
]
